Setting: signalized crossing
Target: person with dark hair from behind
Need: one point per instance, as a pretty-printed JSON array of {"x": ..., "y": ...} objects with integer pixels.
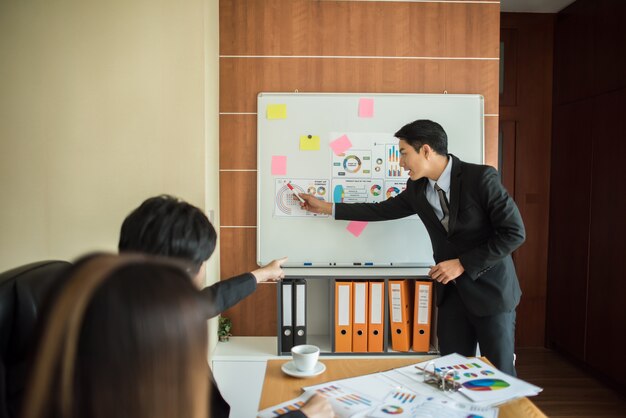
[
  {"x": 126, "y": 336},
  {"x": 167, "y": 226}
]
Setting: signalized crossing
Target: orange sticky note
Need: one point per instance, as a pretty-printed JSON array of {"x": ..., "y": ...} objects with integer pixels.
[
  {"x": 356, "y": 227},
  {"x": 340, "y": 145},
  {"x": 366, "y": 108},
  {"x": 279, "y": 165}
]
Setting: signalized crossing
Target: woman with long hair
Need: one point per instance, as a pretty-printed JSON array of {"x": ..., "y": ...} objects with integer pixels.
[{"x": 125, "y": 337}]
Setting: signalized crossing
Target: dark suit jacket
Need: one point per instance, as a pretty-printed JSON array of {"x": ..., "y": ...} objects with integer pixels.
[
  {"x": 220, "y": 297},
  {"x": 227, "y": 293},
  {"x": 485, "y": 227}
]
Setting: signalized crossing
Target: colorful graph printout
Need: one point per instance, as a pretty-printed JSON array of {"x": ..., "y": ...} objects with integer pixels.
[
  {"x": 357, "y": 190},
  {"x": 394, "y": 187},
  {"x": 286, "y": 204},
  {"x": 288, "y": 408},
  {"x": 353, "y": 164},
  {"x": 393, "y": 168},
  {"x": 345, "y": 402},
  {"x": 283, "y": 408},
  {"x": 397, "y": 394},
  {"x": 484, "y": 385},
  {"x": 422, "y": 406},
  {"x": 496, "y": 388},
  {"x": 377, "y": 146}
]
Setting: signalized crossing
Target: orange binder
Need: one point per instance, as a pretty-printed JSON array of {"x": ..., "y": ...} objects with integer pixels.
[
  {"x": 400, "y": 299},
  {"x": 359, "y": 315},
  {"x": 421, "y": 320},
  {"x": 343, "y": 317},
  {"x": 375, "y": 322}
]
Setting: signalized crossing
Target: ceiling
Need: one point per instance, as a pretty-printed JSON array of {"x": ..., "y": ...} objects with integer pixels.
[{"x": 534, "y": 6}]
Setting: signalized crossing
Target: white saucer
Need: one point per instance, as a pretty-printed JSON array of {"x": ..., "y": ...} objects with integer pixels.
[{"x": 290, "y": 369}]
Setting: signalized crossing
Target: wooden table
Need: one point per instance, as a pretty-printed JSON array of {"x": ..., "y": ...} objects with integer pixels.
[{"x": 278, "y": 387}]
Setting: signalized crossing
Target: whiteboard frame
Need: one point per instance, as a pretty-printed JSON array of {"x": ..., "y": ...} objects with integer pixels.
[{"x": 474, "y": 101}]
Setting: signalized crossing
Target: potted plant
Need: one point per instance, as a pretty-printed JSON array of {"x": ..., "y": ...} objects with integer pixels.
[{"x": 223, "y": 329}]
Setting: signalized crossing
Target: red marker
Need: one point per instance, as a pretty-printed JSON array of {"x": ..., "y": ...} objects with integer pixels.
[{"x": 294, "y": 193}]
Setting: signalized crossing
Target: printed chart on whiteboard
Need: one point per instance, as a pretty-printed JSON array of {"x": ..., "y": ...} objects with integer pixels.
[
  {"x": 286, "y": 204},
  {"x": 370, "y": 171}
]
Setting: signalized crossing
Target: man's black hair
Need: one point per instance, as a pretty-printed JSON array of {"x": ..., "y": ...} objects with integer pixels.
[
  {"x": 167, "y": 226},
  {"x": 424, "y": 131}
]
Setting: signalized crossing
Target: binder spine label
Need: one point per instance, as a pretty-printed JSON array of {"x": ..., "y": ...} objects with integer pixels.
[
  {"x": 344, "y": 311},
  {"x": 377, "y": 309},
  {"x": 396, "y": 303},
  {"x": 422, "y": 305},
  {"x": 300, "y": 305},
  {"x": 359, "y": 301},
  {"x": 287, "y": 305}
]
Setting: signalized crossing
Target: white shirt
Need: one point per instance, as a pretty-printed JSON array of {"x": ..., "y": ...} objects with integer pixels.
[{"x": 444, "y": 182}]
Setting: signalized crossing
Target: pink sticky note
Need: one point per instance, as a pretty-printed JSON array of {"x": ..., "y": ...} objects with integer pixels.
[
  {"x": 366, "y": 108},
  {"x": 340, "y": 145},
  {"x": 279, "y": 165},
  {"x": 356, "y": 227}
]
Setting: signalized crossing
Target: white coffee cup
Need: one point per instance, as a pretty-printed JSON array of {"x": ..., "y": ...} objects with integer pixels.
[{"x": 305, "y": 357}]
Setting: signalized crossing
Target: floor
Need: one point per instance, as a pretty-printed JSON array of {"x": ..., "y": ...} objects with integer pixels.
[{"x": 567, "y": 390}]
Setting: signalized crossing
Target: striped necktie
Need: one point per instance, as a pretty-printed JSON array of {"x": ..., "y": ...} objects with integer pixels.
[{"x": 445, "y": 207}]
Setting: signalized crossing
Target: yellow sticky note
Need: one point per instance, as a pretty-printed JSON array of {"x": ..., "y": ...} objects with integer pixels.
[
  {"x": 277, "y": 111},
  {"x": 309, "y": 143}
]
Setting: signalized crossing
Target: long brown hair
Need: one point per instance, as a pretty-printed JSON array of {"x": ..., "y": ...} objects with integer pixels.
[{"x": 126, "y": 337}]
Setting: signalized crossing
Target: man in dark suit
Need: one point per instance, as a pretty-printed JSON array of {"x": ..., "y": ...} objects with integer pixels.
[{"x": 474, "y": 226}]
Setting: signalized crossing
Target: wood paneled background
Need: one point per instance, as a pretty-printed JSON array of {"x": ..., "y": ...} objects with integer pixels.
[
  {"x": 335, "y": 46},
  {"x": 587, "y": 262},
  {"x": 525, "y": 126}
]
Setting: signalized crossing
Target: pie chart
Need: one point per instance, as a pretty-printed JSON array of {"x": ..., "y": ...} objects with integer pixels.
[{"x": 484, "y": 385}]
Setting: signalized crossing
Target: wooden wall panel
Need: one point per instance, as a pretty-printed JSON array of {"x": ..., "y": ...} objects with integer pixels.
[
  {"x": 573, "y": 41},
  {"x": 606, "y": 317},
  {"x": 237, "y": 251},
  {"x": 569, "y": 228},
  {"x": 238, "y": 142},
  {"x": 587, "y": 262},
  {"x": 336, "y": 46},
  {"x": 244, "y": 78},
  {"x": 528, "y": 108},
  {"x": 472, "y": 30},
  {"x": 238, "y": 198},
  {"x": 491, "y": 141},
  {"x": 609, "y": 41},
  {"x": 474, "y": 77},
  {"x": 304, "y": 27},
  {"x": 508, "y": 93},
  {"x": 255, "y": 315},
  {"x": 507, "y": 155}
]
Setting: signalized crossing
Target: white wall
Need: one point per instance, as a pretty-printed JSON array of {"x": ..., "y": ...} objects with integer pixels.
[{"x": 102, "y": 104}]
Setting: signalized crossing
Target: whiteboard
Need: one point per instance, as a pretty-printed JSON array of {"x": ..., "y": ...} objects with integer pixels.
[{"x": 369, "y": 121}]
